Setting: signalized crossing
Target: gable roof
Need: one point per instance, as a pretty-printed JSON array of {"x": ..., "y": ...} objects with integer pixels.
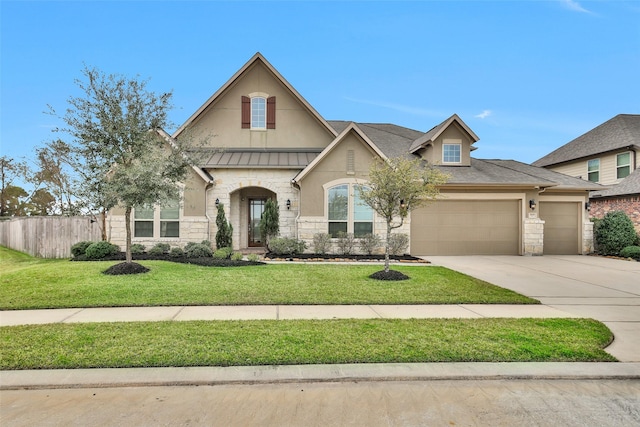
[
  {"x": 352, "y": 127},
  {"x": 436, "y": 131},
  {"x": 256, "y": 58},
  {"x": 622, "y": 131}
]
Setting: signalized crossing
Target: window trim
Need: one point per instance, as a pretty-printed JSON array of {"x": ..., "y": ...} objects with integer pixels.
[
  {"x": 596, "y": 171},
  {"x": 628, "y": 165},
  {"x": 452, "y": 143},
  {"x": 351, "y": 185}
]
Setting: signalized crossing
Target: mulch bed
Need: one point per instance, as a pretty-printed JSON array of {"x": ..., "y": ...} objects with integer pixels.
[{"x": 343, "y": 258}]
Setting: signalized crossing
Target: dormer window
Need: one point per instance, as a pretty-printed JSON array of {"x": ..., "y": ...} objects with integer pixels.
[
  {"x": 258, "y": 112},
  {"x": 451, "y": 152}
]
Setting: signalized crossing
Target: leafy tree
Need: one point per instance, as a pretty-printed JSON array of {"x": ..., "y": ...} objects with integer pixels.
[
  {"x": 270, "y": 221},
  {"x": 41, "y": 203},
  {"x": 396, "y": 187},
  {"x": 15, "y": 201},
  {"x": 55, "y": 174},
  {"x": 116, "y": 134},
  {"x": 10, "y": 169},
  {"x": 224, "y": 235}
]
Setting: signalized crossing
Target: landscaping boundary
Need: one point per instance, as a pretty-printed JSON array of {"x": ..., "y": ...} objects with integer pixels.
[{"x": 47, "y": 236}]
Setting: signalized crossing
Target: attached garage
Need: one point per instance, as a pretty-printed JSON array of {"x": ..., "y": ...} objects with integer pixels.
[
  {"x": 561, "y": 228},
  {"x": 466, "y": 227}
]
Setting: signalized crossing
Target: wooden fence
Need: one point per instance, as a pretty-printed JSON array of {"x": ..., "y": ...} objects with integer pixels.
[{"x": 47, "y": 236}]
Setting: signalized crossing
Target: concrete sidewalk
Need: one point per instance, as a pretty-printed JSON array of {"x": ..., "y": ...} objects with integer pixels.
[{"x": 276, "y": 312}]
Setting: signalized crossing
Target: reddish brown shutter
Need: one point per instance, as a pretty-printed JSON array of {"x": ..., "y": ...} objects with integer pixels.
[
  {"x": 271, "y": 112},
  {"x": 246, "y": 112}
]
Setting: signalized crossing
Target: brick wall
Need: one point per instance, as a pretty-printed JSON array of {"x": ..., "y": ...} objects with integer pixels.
[{"x": 629, "y": 205}]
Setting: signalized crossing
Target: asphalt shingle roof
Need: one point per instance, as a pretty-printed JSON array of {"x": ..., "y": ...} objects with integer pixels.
[
  {"x": 629, "y": 185},
  {"x": 619, "y": 132}
]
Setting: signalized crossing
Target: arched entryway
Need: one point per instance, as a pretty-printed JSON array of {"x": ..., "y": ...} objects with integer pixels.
[{"x": 250, "y": 202}]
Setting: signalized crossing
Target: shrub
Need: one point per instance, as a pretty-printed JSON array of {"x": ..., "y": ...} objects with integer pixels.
[
  {"x": 137, "y": 248},
  {"x": 346, "y": 242},
  {"x": 223, "y": 253},
  {"x": 80, "y": 248},
  {"x": 398, "y": 243},
  {"x": 207, "y": 243},
  {"x": 236, "y": 256},
  {"x": 321, "y": 243},
  {"x": 286, "y": 246},
  {"x": 224, "y": 235},
  {"x": 99, "y": 250},
  {"x": 197, "y": 250},
  {"x": 631, "y": 252},
  {"x": 614, "y": 232},
  {"x": 160, "y": 248},
  {"x": 270, "y": 222},
  {"x": 176, "y": 252},
  {"x": 253, "y": 257},
  {"x": 369, "y": 243}
]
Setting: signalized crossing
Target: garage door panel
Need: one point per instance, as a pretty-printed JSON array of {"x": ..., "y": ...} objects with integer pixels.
[
  {"x": 466, "y": 227},
  {"x": 562, "y": 227}
]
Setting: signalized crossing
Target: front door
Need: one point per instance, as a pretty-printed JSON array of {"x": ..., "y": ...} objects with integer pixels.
[{"x": 256, "y": 208}]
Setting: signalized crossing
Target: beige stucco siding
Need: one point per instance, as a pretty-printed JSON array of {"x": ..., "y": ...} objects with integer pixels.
[
  {"x": 453, "y": 134},
  {"x": 194, "y": 195},
  {"x": 220, "y": 124},
  {"x": 333, "y": 167}
]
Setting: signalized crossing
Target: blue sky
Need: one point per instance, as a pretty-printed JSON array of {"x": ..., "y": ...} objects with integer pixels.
[{"x": 526, "y": 76}]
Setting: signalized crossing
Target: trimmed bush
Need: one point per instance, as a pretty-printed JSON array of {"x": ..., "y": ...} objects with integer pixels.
[
  {"x": 80, "y": 248},
  {"x": 253, "y": 257},
  {"x": 369, "y": 243},
  {"x": 614, "y": 232},
  {"x": 160, "y": 249},
  {"x": 321, "y": 243},
  {"x": 224, "y": 235},
  {"x": 100, "y": 250},
  {"x": 631, "y": 252},
  {"x": 237, "y": 256},
  {"x": 137, "y": 249},
  {"x": 286, "y": 246},
  {"x": 197, "y": 250},
  {"x": 346, "y": 242},
  {"x": 176, "y": 252},
  {"x": 223, "y": 253},
  {"x": 398, "y": 243}
]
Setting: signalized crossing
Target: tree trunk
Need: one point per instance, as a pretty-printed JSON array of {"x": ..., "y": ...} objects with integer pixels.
[
  {"x": 127, "y": 221},
  {"x": 103, "y": 224},
  {"x": 386, "y": 248}
]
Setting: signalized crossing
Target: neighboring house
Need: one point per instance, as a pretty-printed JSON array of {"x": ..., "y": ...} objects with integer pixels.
[
  {"x": 261, "y": 139},
  {"x": 608, "y": 155}
]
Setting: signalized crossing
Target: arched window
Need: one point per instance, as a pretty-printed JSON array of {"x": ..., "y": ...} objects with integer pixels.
[{"x": 346, "y": 212}]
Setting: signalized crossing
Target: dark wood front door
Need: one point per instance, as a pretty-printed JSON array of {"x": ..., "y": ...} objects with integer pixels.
[{"x": 256, "y": 208}]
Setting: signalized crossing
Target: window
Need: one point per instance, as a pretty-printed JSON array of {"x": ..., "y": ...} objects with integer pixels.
[
  {"x": 258, "y": 112},
  {"x": 623, "y": 165},
  {"x": 347, "y": 213},
  {"x": 593, "y": 170},
  {"x": 451, "y": 153},
  {"x": 157, "y": 222}
]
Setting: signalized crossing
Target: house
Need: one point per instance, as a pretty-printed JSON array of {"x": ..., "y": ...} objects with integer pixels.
[
  {"x": 260, "y": 139},
  {"x": 608, "y": 155}
]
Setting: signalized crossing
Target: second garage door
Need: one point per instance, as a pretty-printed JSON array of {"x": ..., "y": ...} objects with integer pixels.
[
  {"x": 561, "y": 227},
  {"x": 466, "y": 227}
]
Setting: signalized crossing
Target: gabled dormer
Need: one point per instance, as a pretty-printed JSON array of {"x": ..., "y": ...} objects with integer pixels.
[{"x": 448, "y": 144}]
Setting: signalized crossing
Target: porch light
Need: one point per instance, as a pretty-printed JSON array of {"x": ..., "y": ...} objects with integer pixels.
[
  {"x": 532, "y": 204},
  {"x": 288, "y": 204},
  {"x": 217, "y": 202},
  {"x": 402, "y": 204},
  {"x": 587, "y": 206}
]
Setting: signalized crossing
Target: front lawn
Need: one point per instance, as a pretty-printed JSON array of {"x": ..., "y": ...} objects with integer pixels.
[
  {"x": 30, "y": 283},
  {"x": 271, "y": 342}
]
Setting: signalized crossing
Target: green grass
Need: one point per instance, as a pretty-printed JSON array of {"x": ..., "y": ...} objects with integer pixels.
[
  {"x": 237, "y": 343},
  {"x": 30, "y": 283}
]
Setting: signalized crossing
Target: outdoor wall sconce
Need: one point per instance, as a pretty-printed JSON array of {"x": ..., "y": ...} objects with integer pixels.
[
  {"x": 402, "y": 206},
  {"x": 532, "y": 204},
  {"x": 288, "y": 204},
  {"x": 217, "y": 202},
  {"x": 587, "y": 206}
]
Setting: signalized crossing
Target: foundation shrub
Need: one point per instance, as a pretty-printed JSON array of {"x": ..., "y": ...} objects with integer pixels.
[
  {"x": 321, "y": 243},
  {"x": 614, "y": 233},
  {"x": 80, "y": 248},
  {"x": 99, "y": 250}
]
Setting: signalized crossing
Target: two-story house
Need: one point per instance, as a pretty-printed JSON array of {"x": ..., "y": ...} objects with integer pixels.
[
  {"x": 608, "y": 155},
  {"x": 261, "y": 139}
]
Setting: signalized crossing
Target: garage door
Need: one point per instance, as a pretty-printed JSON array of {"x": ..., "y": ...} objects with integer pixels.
[
  {"x": 561, "y": 227},
  {"x": 466, "y": 227}
]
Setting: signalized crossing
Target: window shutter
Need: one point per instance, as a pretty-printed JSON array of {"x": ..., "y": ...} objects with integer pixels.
[
  {"x": 271, "y": 112},
  {"x": 246, "y": 112}
]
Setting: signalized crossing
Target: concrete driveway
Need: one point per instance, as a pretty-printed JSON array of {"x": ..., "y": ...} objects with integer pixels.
[{"x": 601, "y": 288}]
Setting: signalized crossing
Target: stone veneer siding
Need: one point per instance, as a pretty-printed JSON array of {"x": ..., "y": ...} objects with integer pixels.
[
  {"x": 533, "y": 236},
  {"x": 192, "y": 229},
  {"x": 629, "y": 205}
]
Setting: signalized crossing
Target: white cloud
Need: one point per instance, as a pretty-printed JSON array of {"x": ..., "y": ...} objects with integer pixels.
[
  {"x": 575, "y": 6},
  {"x": 484, "y": 114}
]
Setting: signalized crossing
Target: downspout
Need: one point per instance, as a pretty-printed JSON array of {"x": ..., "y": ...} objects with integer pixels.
[
  {"x": 295, "y": 186},
  {"x": 210, "y": 184}
]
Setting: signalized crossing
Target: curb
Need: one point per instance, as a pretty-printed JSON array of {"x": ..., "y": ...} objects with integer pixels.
[{"x": 252, "y": 375}]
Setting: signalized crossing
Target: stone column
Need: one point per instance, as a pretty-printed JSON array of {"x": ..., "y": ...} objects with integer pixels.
[{"x": 533, "y": 236}]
